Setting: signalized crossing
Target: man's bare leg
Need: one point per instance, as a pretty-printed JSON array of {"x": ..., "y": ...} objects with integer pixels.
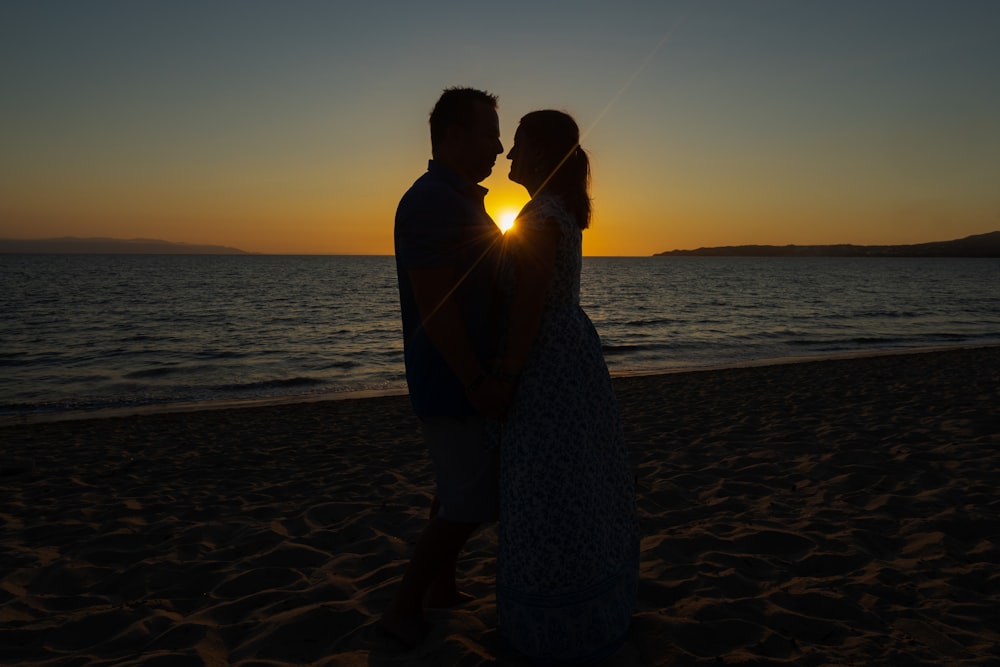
[
  {"x": 443, "y": 593},
  {"x": 431, "y": 565}
]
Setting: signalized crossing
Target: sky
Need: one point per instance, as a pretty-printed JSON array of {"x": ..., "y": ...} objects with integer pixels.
[{"x": 295, "y": 127}]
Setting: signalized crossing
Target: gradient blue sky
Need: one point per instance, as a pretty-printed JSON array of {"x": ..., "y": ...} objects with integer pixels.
[{"x": 294, "y": 127}]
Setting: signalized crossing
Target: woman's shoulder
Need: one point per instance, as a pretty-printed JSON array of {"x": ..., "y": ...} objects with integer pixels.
[{"x": 543, "y": 208}]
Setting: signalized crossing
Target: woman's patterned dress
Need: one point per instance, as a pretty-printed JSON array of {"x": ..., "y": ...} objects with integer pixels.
[{"x": 567, "y": 565}]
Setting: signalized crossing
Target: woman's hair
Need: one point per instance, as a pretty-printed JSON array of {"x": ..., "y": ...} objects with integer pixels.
[{"x": 556, "y": 135}]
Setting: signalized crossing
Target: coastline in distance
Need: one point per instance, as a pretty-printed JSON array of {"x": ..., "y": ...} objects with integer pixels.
[
  {"x": 979, "y": 245},
  {"x": 71, "y": 245}
]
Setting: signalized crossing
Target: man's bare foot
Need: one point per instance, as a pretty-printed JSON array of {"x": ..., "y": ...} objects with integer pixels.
[
  {"x": 407, "y": 630},
  {"x": 446, "y": 600}
]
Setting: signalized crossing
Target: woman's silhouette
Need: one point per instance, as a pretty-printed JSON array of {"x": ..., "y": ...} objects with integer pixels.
[{"x": 567, "y": 565}]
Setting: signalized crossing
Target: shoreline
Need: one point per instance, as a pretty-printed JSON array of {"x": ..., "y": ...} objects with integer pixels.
[{"x": 248, "y": 403}]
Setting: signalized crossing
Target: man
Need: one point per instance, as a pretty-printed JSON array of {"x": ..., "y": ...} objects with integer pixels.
[{"x": 446, "y": 252}]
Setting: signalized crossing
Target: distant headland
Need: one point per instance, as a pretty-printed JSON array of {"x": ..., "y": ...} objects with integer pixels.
[
  {"x": 70, "y": 245},
  {"x": 979, "y": 245}
]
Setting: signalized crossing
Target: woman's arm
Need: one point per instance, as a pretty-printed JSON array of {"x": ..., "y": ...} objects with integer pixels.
[{"x": 532, "y": 250}]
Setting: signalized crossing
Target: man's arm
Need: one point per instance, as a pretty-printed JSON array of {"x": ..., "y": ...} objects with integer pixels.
[{"x": 442, "y": 320}]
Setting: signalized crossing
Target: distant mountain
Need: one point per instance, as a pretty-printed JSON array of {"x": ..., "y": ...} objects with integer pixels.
[
  {"x": 980, "y": 245},
  {"x": 101, "y": 246}
]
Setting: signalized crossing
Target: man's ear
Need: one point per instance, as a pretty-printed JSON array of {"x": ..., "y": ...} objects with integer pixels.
[{"x": 448, "y": 140}]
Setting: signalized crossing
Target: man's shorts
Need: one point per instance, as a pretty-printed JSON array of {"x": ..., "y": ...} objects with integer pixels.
[{"x": 466, "y": 470}]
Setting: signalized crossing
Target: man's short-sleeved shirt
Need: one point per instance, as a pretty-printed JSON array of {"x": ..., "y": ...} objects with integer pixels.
[{"x": 441, "y": 222}]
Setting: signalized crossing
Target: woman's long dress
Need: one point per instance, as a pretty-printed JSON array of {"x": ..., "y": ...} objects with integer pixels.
[{"x": 567, "y": 565}]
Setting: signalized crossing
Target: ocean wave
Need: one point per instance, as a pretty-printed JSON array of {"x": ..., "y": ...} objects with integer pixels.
[
  {"x": 890, "y": 314},
  {"x": 340, "y": 365},
  {"x": 222, "y": 354},
  {"x": 263, "y": 385},
  {"x": 147, "y": 373}
]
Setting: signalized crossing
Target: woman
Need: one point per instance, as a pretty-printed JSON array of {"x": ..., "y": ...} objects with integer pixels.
[{"x": 567, "y": 565}]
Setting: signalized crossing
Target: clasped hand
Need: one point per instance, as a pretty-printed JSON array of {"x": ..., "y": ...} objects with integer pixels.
[{"x": 492, "y": 397}]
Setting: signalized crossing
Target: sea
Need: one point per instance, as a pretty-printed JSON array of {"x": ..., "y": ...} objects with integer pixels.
[{"x": 88, "y": 335}]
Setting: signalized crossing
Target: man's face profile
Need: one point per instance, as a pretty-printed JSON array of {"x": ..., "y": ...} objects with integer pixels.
[{"x": 480, "y": 143}]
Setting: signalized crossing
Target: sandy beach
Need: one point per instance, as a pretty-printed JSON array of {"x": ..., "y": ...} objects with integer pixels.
[{"x": 838, "y": 512}]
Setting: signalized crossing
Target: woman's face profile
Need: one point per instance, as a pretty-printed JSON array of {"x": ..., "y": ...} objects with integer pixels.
[{"x": 522, "y": 164}]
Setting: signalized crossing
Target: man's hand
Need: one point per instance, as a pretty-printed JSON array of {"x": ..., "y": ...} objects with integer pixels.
[{"x": 490, "y": 397}]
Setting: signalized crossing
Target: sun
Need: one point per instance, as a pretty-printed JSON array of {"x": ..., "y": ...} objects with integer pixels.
[
  {"x": 504, "y": 203},
  {"x": 505, "y": 219}
]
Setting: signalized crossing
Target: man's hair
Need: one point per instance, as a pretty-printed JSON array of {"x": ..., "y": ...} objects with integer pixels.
[{"x": 457, "y": 106}]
